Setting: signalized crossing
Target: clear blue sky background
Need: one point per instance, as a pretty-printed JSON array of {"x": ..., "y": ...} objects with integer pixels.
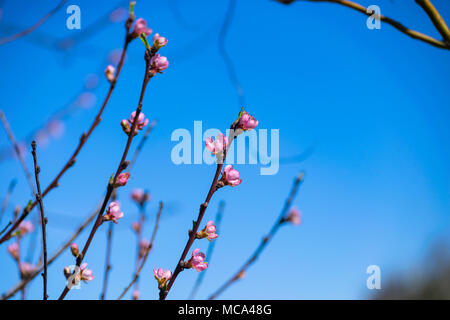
[{"x": 374, "y": 103}]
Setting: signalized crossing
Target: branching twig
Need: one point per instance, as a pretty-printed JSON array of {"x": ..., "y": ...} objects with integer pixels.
[
  {"x": 397, "y": 25},
  {"x": 209, "y": 251},
  {"x": 34, "y": 27},
  {"x": 144, "y": 259},
  {"x": 84, "y": 136},
  {"x": 265, "y": 240},
  {"x": 436, "y": 18},
  {"x": 37, "y": 169}
]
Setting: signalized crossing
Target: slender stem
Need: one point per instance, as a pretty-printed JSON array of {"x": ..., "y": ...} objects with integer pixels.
[
  {"x": 11, "y": 187},
  {"x": 37, "y": 169},
  {"x": 209, "y": 251},
  {"x": 144, "y": 259},
  {"x": 138, "y": 240},
  {"x": 10, "y": 293},
  {"x": 34, "y": 27},
  {"x": 122, "y": 166},
  {"x": 436, "y": 18},
  {"x": 397, "y": 25},
  {"x": 84, "y": 136},
  {"x": 279, "y": 222},
  {"x": 108, "y": 260}
]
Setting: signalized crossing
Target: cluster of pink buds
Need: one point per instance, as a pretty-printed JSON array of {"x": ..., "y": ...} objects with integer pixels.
[
  {"x": 197, "y": 261},
  {"x": 209, "y": 232},
  {"x": 294, "y": 216},
  {"x": 162, "y": 276},
  {"x": 26, "y": 269},
  {"x": 110, "y": 73},
  {"x": 140, "y": 26},
  {"x": 140, "y": 196},
  {"x": 74, "y": 249},
  {"x": 113, "y": 213},
  {"x": 122, "y": 179},
  {"x": 14, "y": 250},
  {"x": 85, "y": 274},
  {"x": 159, "y": 42},
  {"x": 127, "y": 124},
  {"x": 158, "y": 64},
  {"x": 144, "y": 246},
  {"x": 247, "y": 122},
  {"x": 25, "y": 227},
  {"x": 217, "y": 145},
  {"x": 230, "y": 177}
]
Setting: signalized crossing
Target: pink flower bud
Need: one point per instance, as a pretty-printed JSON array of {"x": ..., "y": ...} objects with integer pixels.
[
  {"x": 74, "y": 249},
  {"x": 197, "y": 261},
  {"x": 140, "y": 196},
  {"x": 158, "y": 64},
  {"x": 136, "y": 295},
  {"x": 136, "y": 226},
  {"x": 247, "y": 122},
  {"x": 158, "y": 41},
  {"x": 209, "y": 231},
  {"x": 125, "y": 126},
  {"x": 162, "y": 276},
  {"x": 141, "y": 123},
  {"x": 140, "y": 26},
  {"x": 25, "y": 227},
  {"x": 144, "y": 245},
  {"x": 14, "y": 250},
  {"x": 218, "y": 145},
  {"x": 122, "y": 179},
  {"x": 110, "y": 73},
  {"x": 85, "y": 273},
  {"x": 26, "y": 269},
  {"x": 113, "y": 213},
  {"x": 294, "y": 216},
  {"x": 67, "y": 272},
  {"x": 230, "y": 176}
]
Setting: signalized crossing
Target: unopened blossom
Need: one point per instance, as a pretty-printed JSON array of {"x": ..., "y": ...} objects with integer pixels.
[
  {"x": 140, "y": 26},
  {"x": 110, "y": 72},
  {"x": 158, "y": 64},
  {"x": 25, "y": 227},
  {"x": 136, "y": 226},
  {"x": 241, "y": 275},
  {"x": 122, "y": 179},
  {"x": 26, "y": 269},
  {"x": 14, "y": 250},
  {"x": 162, "y": 276},
  {"x": 140, "y": 196},
  {"x": 158, "y": 41},
  {"x": 67, "y": 272},
  {"x": 136, "y": 295},
  {"x": 74, "y": 249},
  {"x": 127, "y": 124},
  {"x": 230, "y": 177},
  {"x": 209, "y": 231},
  {"x": 85, "y": 273},
  {"x": 217, "y": 145},
  {"x": 247, "y": 122},
  {"x": 144, "y": 245},
  {"x": 197, "y": 261},
  {"x": 294, "y": 216},
  {"x": 113, "y": 213}
]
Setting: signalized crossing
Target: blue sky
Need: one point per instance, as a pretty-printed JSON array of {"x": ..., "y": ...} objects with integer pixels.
[{"x": 373, "y": 103}]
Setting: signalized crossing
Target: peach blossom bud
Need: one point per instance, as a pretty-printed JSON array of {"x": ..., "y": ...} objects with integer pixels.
[
  {"x": 159, "y": 42},
  {"x": 140, "y": 26},
  {"x": 141, "y": 121},
  {"x": 209, "y": 232},
  {"x": 216, "y": 145},
  {"x": 294, "y": 216},
  {"x": 136, "y": 295},
  {"x": 125, "y": 126},
  {"x": 140, "y": 196},
  {"x": 110, "y": 72},
  {"x": 26, "y": 269},
  {"x": 67, "y": 272},
  {"x": 247, "y": 122},
  {"x": 162, "y": 276},
  {"x": 85, "y": 273},
  {"x": 14, "y": 250},
  {"x": 144, "y": 245},
  {"x": 122, "y": 179},
  {"x": 25, "y": 227},
  {"x": 74, "y": 249},
  {"x": 241, "y": 275},
  {"x": 158, "y": 64},
  {"x": 197, "y": 261},
  {"x": 136, "y": 226},
  {"x": 113, "y": 213},
  {"x": 230, "y": 176}
]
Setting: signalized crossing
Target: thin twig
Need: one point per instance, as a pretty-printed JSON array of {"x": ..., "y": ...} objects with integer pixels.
[
  {"x": 34, "y": 27},
  {"x": 436, "y": 18},
  {"x": 11, "y": 187},
  {"x": 108, "y": 260},
  {"x": 122, "y": 166},
  {"x": 37, "y": 169},
  {"x": 397, "y": 25},
  {"x": 84, "y": 136},
  {"x": 144, "y": 259},
  {"x": 209, "y": 251},
  {"x": 280, "y": 221}
]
